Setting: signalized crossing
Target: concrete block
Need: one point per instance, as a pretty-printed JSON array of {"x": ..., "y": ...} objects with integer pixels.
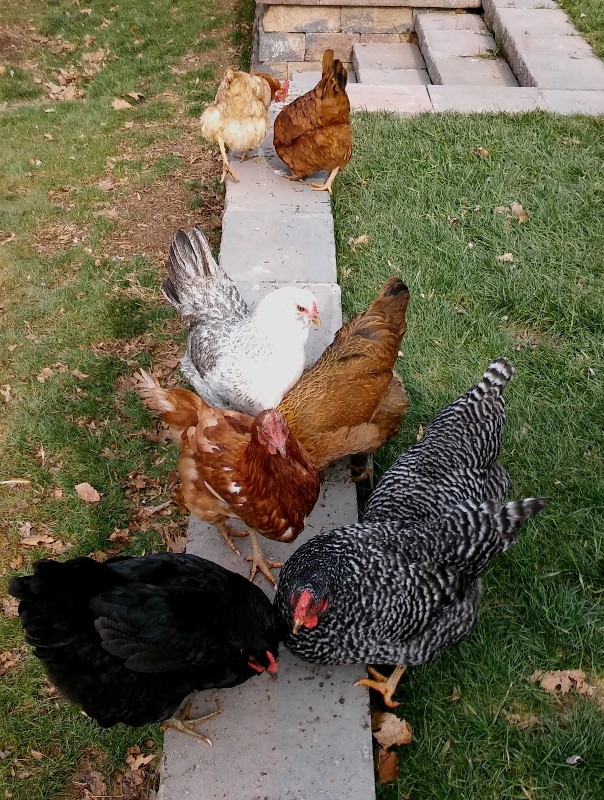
[
  {"x": 285, "y": 245},
  {"x": 394, "y": 77},
  {"x": 301, "y": 19},
  {"x": 471, "y": 72},
  {"x": 540, "y": 22},
  {"x": 490, "y": 5},
  {"x": 561, "y": 101},
  {"x": 485, "y": 99},
  {"x": 390, "y": 56},
  {"x": 435, "y": 44},
  {"x": 450, "y": 22},
  {"x": 384, "y": 3},
  {"x": 376, "y": 20},
  {"x": 380, "y": 38},
  {"x": 281, "y": 46},
  {"x": 340, "y": 43},
  {"x": 561, "y": 72},
  {"x": 405, "y": 100},
  {"x": 306, "y": 735}
]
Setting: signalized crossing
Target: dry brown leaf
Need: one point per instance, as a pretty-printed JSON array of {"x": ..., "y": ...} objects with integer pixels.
[
  {"x": 16, "y": 562},
  {"x": 93, "y": 783},
  {"x": 120, "y": 105},
  {"x": 481, "y": 151},
  {"x": 138, "y": 760},
  {"x": 501, "y": 209},
  {"x": 354, "y": 242},
  {"x": 80, "y": 375},
  {"x": 5, "y": 391},
  {"x": 507, "y": 257},
  {"x": 87, "y": 493},
  {"x": 562, "y": 681},
  {"x": 13, "y": 482},
  {"x": 9, "y": 606},
  {"x": 520, "y": 214},
  {"x": 106, "y": 185},
  {"x": 389, "y": 730},
  {"x": 57, "y": 494},
  {"x": 44, "y": 373},
  {"x": 136, "y": 96},
  {"x": 24, "y": 529},
  {"x": 455, "y": 695},
  {"x": 522, "y": 721},
  {"x": 386, "y": 765},
  {"x": 121, "y": 536},
  {"x": 6, "y": 237}
]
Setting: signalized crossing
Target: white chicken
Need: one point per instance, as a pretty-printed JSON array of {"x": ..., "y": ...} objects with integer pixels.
[
  {"x": 238, "y": 117},
  {"x": 236, "y": 358}
]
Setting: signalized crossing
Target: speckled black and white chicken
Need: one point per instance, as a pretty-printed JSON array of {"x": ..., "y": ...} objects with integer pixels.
[
  {"x": 236, "y": 358},
  {"x": 404, "y": 584}
]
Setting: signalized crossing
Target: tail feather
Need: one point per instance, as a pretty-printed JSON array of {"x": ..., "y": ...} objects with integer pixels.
[
  {"x": 496, "y": 376},
  {"x": 179, "y": 407},
  {"x": 190, "y": 265},
  {"x": 391, "y": 304},
  {"x": 510, "y": 516}
]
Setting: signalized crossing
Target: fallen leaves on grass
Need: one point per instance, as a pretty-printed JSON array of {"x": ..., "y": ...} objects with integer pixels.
[
  {"x": 515, "y": 210},
  {"x": 480, "y": 151},
  {"x": 120, "y": 105},
  {"x": 9, "y": 606},
  {"x": 505, "y": 257},
  {"x": 5, "y": 391},
  {"x": 354, "y": 242},
  {"x": 6, "y": 237},
  {"x": 40, "y": 535},
  {"x": 44, "y": 374},
  {"x": 562, "y": 681},
  {"x": 87, "y": 493},
  {"x": 9, "y": 658},
  {"x": 13, "y": 483},
  {"x": 523, "y": 721},
  {"x": 388, "y": 730}
]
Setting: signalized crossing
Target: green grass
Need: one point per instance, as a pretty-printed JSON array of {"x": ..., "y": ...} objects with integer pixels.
[
  {"x": 588, "y": 17},
  {"x": 68, "y": 304},
  {"x": 426, "y": 200}
]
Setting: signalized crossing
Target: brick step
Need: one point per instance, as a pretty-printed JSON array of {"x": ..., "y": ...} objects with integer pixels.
[
  {"x": 396, "y": 64},
  {"x": 459, "y": 50}
]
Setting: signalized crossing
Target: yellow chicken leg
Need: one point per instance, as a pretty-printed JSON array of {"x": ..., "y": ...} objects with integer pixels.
[
  {"x": 260, "y": 563},
  {"x": 326, "y": 187},
  {"x": 226, "y": 167},
  {"x": 185, "y": 725},
  {"x": 385, "y": 686},
  {"x": 227, "y": 532}
]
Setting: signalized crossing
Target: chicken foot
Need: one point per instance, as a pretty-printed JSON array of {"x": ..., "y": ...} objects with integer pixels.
[
  {"x": 227, "y": 532},
  {"x": 226, "y": 167},
  {"x": 185, "y": 725},
  {"x": 385, "y": 686},
  {"x": 365, "y": 473},
  {"x": 260, "y": 563},
  {"x": 326, "y": 187}
]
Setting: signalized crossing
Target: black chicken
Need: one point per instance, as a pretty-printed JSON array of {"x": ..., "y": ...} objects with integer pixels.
[
  {"x": 404, "y": 585},
  {"x": 130, "y": 638}
]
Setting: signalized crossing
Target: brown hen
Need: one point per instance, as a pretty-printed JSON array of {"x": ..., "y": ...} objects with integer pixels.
[
  {"x": 314, "y": 132},
  {"x": 236, "y": 466},
  {"x": 350, "y": 401}
]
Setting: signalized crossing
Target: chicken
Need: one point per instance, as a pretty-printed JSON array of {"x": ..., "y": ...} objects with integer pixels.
[
  {"x": 314, "y": 132},
  {"x": 350, "y": 401},
  {"x": 399, "y": 589},
  {"x": 236, "y": 466},
  {"x": 236, "y": 358},
  {"x": 128, "y": 639},
  {"x": 238, "y": 117}
]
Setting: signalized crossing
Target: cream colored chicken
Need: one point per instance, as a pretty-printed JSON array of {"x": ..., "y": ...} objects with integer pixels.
[{"x": 238, "y": 117}]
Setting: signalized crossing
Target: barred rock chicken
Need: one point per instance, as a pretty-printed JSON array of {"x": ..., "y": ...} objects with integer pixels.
[
  {"x": 236, "y": 358},
  {"x": 236, "y": 466},
  {"x": 350, "y": 401},
  {"x": 314, "y": 132},
  {"x": 238, "y": 117},
  {"x": 130, "y": 638},
  {"x": 399, "y": 590}
]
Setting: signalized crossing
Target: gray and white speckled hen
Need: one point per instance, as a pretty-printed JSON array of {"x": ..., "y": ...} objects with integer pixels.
[
  {"x": 404, "y": 584},
  {"x": 236, "y": 358}
]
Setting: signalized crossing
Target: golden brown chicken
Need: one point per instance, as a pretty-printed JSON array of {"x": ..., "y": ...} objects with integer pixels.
[
  {"x": 238, "y": 117},
  {"x": 314, "y": 132},
  {"x": 236, "y": 466},
  {"x": 350, "y": 401}
]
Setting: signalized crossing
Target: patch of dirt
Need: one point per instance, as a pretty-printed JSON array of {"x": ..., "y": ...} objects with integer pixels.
[
  {"x": 15, "y": 42},
  {"x": 94, "y": 777}
]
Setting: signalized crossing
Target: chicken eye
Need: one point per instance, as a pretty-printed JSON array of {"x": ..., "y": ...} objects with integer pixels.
[{"x": 301, "y": 309}]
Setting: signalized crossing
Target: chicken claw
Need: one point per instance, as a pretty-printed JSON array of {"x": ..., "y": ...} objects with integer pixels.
[
  {"x": 385, "y": 686},
  {"x": 227, "y": 532},
  {"x": 365, "y": 473},
  {"x": 260, "y": 563},
  {"x": 226, "y": 167},
  {"x": 186, "y": 725},
  {"x": 326, "y": 187}
]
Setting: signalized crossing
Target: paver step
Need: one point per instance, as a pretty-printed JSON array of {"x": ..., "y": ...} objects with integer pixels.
[{"x": 461, "y": 51}]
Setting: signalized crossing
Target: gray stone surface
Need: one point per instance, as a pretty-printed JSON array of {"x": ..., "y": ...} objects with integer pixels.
[
  {"x": 383, "y": 3},
  {"x": 376, "y": 20},
  {"x": 470, "y": 71},
  {"x": 305, "y": 736},
  {"x": 453, "y": 43},
  {"x": 540, "y": 22},
  {"x": 451, "y": 22},
  {"x": 490, "y": 5},
  {"x": 394, "y": 77},
  {"x": 561, "y": 72},
  {"x": 484, "y": 99},
  {"x": 405, "y": 100},
  {"x": 340, "y": 43},
  {"x": 301, "y": 19},
  {"x": 568, "y": 102},
  {"x": 281, "y": 46},
  {"x": 386, "y": 56}
]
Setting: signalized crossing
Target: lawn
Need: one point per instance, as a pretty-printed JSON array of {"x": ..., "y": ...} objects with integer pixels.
[
  {"x": 91, "y": 195},
  {"x": 435, "y": 196}
]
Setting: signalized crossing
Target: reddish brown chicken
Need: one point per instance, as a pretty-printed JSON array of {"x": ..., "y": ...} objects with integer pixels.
[
  {"x": 314, "y": 132},
  {"x": 350, "y": 401},
  {"x": 236, "y": 466}
]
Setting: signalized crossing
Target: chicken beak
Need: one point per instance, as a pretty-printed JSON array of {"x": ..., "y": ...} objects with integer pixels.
[
  {"x": 297, "y": 625},
  {"x": 316, "y": 321}
]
